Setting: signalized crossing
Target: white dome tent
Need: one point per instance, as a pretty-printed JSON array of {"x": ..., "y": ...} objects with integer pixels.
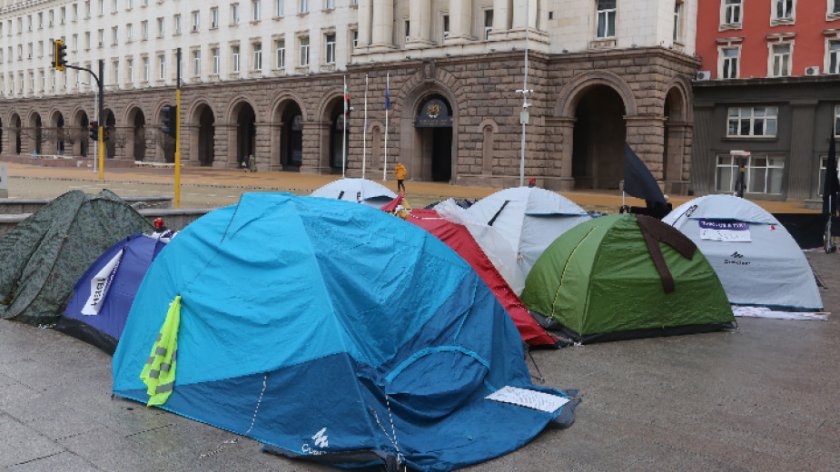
[
  {"x": 757, "y": 260},
  {"x": 363, "y": 191},
  {"x": 514, "y": 226}
]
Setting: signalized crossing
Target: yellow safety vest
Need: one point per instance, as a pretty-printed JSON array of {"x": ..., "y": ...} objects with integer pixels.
[{"x": 159, "y": 372}]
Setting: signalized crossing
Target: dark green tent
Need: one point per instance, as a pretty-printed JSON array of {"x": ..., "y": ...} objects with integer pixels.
[
  {"x": 624, "y": 276},
  {"x": 44, "y": 256}
]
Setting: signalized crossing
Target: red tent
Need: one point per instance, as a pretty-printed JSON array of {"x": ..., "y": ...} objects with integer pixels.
[{"x": 459, "y": 239}]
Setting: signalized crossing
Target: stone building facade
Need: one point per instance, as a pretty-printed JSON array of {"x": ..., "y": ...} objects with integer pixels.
[{"x": 602, "y": 73}]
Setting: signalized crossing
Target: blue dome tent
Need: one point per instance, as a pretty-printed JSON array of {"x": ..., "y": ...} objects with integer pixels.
[
  {"x": 103, "y": 295},
  {"x": 334, "y": 332}
]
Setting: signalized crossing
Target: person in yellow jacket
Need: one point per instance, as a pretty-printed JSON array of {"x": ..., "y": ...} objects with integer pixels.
[{"x": 401, "y": 174}]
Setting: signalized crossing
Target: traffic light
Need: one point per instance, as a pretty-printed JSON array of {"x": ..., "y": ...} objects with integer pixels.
[
  {"x": 59, "y": 55},
  {"x": 169, "y": 118},
  {"x": 94, "y": 130}
]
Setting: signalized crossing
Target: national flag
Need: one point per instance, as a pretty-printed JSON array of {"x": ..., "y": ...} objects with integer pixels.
[
  {"x": 638, "y": 181},
  {"x": 831, "y": 185},
  {"x": 388, "y": 93},
  {"x": 346, "y": 98}
]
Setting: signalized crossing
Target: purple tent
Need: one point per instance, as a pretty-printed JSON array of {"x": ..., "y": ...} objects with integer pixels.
[{"x": 102, "y": 297}]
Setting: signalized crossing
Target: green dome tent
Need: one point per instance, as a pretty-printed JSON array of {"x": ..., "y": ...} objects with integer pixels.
[
  {"x": 625, "y": 276},
  {"x": 45, "y": 254}
]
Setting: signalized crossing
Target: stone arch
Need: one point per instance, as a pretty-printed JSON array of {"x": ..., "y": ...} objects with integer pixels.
[
  {"x": 15, "y": 140},
  {"x": 330, "y": 122},
  {"x": 80, "y": 132},
  {"x": 57, "y": 132},
  {"x": 135, "y": 126},
  {"x": 418, "y": 158},
  {"x": 571, "y": 93},
  {"x": 241, "y": 136},
  {"x": 111, "y": 137},
  {"x": 35, "y": 125},
  {"x": 164, "y": 145},
  {"x": 202, "y": 133},
  {"x": 286, "y": 123},
  {"x": 676, "y": 137},
  {"x": 488, "y": 129}
]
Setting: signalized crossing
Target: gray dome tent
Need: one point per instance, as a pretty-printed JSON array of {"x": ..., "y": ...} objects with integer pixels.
[{"x": 45, "y": 254}]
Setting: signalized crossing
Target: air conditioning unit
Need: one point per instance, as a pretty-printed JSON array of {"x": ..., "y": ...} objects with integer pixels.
[
  {"x": 704, "y": 75},
  {"x": 812, "y": 70}
]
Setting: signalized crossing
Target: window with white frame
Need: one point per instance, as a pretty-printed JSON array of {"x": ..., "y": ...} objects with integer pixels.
[
  {"x": 445, "y": 27},
  {"x": 129, "y": 71},
  {"x": 821, "y": 177},
  {"x": 256, "y": 61},
  {"x": 129, "y": 4},
  {"x": 783, "y": 9},
  {"x": 355, "y": 38},
  {"x": 214, "y": 17},
  {"x": 196, "y": 62},
  {"x": 214, "y": 52},
  {"x": 161, "y": 67},
  {"x": 765, "y": 174},
  {"x": 833, "y": 8},
  {"x": 176, "y": 24},
  {"x": 129, "y": 32},
  {"x": 303, "y": 55},
  {"x": 329, "y": 4},
  {"x": 678, "y": 15},
  {"x": 234, "y": 58},
  {"x": 780, "y": 59},
  {"x": 731, "y": 12},
  {"x": 101, "y": 37},
  {"x": 144, "y": 30},
  {"x": 280, "y": 54},
  {"x": 832, "y": 63},
  {"x": 196, "y": 20},
  {"x": 752, "y": 121},
  {"x": 729, "y": 59},
  {"x": 488, "y": 23},
  {"x": 114, "y": 35},
  {"x": 145, "y": 69},
  {"x": 114, "y": 6},
  {"x": 234, "y": 13},
  {"x": 101, "y": 7},
  {"x": 62, "y": 15},
  {"x": 330, "y": 48},
  {"x": 303, "y": 6},
  {"x": 279, "y": 6},
  {"x": 407, "y": 30},
  {"x": 161, "y": 27},
  {"x": 606, "y": 18},
  {"x": 256, "y": 10}
]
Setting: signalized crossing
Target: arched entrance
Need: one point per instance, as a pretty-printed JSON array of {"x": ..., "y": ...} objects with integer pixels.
[
  {"x": 205, "y": 135},
  {"x": 15, "y": 138},
  {"x": 60, "y": 137},
  {"x": 291, "y": 143},
  {"x": 339, "y": 146},
  {"x": 110, "y": 134},
  {"x": 36, "y": 125},
  {"x": 246, "y": 132},
  {"x": 137, "y": 138},
  {"x": 433, "y": 125},
  {"x": 674, "y": 141},
  {"x": 81, "y": 136},
  {"x": 599, "y": 136}
]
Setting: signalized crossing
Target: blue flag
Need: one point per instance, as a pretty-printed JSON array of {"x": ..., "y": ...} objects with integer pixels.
[{"x": 388, "y": 94}]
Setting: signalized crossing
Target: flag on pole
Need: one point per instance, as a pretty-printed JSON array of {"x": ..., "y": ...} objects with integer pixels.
[
  {"x": 638, "y": 181},
  {"x": 346, "y": 98},
  {"x": 388, "y": 93}
]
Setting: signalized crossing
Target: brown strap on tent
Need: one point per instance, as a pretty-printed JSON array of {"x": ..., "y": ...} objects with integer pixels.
[{"x": 655, "y": 232}]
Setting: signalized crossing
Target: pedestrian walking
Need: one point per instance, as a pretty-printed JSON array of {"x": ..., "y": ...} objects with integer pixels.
[{"x": 401, "y": 173}]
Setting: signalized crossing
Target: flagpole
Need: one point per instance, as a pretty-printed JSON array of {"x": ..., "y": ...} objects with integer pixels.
[
  {"x": 344, "y": 132},
  {"x": 387, "y": 108},
  {"x": 364, "y": 131}
]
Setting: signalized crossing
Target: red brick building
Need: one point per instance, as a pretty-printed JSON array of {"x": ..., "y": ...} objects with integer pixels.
[{"x": 769, "y": 83}]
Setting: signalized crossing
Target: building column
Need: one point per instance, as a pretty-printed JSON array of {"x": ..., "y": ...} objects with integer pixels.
[
  {"x": 364, "y": 13},
  {"x": 460, "y": 18},
  {"x": 646, "y": 136},
  {"x": 501, "y": 16},
  {"x": 382, "y": 35},
  {"x": 519, "y": 14},
  {"x": 560, "y": 140},
  {"x": 421, "y": 24}
]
